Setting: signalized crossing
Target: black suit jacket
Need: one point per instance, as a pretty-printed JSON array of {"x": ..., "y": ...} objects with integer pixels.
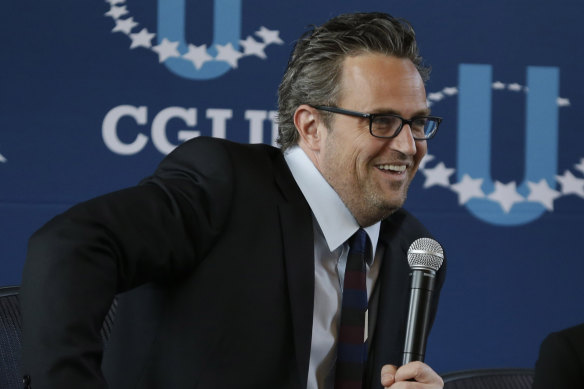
[
  {"x": 219, "y": 244},
  {"x": 561, "y": 360}
]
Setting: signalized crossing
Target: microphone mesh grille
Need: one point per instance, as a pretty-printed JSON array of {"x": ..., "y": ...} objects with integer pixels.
[{"x": 425, "y": 253}]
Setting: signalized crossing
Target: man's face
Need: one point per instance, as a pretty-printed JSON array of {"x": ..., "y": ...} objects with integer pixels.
[{"x": 372, "y": 175}]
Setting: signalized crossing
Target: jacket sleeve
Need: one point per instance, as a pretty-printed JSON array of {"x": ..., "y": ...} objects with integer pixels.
[{"x": 79, "y": 261}]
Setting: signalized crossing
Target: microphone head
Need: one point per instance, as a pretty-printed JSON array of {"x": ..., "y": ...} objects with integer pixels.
[{"x": 425, "y": 254}]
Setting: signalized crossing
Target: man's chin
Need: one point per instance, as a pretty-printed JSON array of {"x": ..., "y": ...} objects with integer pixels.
[
  {"x": 387, "y": 208},
  {"x": 395, "y": 198}
]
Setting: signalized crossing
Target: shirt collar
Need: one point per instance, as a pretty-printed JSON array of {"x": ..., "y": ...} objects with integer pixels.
[{"x": 334, "y": 218}]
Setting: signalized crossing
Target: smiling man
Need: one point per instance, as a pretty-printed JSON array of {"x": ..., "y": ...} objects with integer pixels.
[
  {"x": 371, "y": 174},
  {"x": 253, "y": 267}
]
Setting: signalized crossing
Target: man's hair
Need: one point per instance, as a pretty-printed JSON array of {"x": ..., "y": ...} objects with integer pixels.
[{"x": 313, "y": 75}]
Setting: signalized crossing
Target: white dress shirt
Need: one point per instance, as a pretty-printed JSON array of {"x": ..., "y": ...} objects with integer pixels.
[{"x": 333, "y": 227}]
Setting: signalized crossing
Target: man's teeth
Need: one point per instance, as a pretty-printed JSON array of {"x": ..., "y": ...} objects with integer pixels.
[{"x": 395, "y": 168}]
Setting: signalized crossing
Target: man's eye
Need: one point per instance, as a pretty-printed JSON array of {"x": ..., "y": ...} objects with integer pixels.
[
  {"x": 420, "y": 122},
  {"x": 387, "y": 121}
]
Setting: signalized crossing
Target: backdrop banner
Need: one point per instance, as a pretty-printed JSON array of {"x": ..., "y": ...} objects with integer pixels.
[{"x": 93, "y": 94}]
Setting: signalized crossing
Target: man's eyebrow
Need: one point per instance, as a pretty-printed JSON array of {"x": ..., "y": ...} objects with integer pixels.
[{"x": 422, "y": 112}]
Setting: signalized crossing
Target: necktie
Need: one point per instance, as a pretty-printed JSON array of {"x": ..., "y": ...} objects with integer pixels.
[{"x": 352, "y": 348}]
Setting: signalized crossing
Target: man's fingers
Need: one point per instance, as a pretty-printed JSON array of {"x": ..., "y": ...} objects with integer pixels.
[
  {"x": 419, "y": 372},
  {"x": 388, "y": 375}
]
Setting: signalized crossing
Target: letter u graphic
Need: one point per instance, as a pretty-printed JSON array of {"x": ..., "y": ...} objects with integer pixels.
[
  {"x": 474, "y": 139},
  {"x": 226, "y": 28}
]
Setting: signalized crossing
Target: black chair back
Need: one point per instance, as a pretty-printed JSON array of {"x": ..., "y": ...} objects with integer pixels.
[
  {"x": 10, "y": 338},
  {"x": 504, "y": 378}
]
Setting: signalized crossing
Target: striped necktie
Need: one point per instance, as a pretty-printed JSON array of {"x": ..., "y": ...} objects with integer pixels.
[{"x": 352, "y": 347}]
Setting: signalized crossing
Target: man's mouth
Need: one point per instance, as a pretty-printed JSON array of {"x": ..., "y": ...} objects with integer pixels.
[{"x": 392, "y": 168}]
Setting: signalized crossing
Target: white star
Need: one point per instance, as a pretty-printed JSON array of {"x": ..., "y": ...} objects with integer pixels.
[
  {"x": 166, "y": 49},
  {"x": 563, "y": 102},
  {"x": 437, "y": 176},
  {"x": 542, "y": 193},
  {"x": 515, "y": 87},
  {"x": 468, "y": 188},
  {"x": 198, "y": 55},
  {"x": 2, "y": 159},
  {"x": 427, "y": 158},
  {"x": 450, "y": 91},
  {"x": 506, "y": 195},
  {"x": 228, "y": 54},
  {"x": 571, "y": 184},
  {"x": 498, "y": 85},
  {"x": 125, "y": 25},
  {"x": 114, "y": 2},
  {"x": 142, "y": 39},
  {"x": 580, "y": 166},
  {"x": 253, "y": 47},
  {"x": 436, "y": 96},
  {"x": 269, "y": 36},
  {"x": 116, "y": 12}
]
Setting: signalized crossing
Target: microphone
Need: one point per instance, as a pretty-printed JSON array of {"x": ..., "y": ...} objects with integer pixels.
[{"x": 425, "y": 257}]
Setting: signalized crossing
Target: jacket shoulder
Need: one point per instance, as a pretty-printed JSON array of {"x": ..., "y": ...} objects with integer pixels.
[
  {"x": 214, "y": 155},
  {"x": 406, "y": 225}
]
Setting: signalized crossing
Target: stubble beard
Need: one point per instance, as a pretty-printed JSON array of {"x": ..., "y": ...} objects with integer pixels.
[
  {"x": 367, "y": 202},
  {"x": 381, "y": 206}
]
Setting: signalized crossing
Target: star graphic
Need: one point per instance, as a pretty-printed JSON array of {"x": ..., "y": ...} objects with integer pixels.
[
  {"x": 580, "y": 166},
  {"x": 166, "y": 49},
  {"x": 269, "y": 36},
  {"x": 542, "y": 193},
  {"x": 515, "y": 87},
  {"x": 228, "y": 54},
  {"x": 436, "y": 96},
  {"x": 438, "y": 175},
  {"x": 253, "y": 47},
  {"x": 142, "y": 39},
  {"x": 114, "y": 2},
  {"x": 563, "y": 102},
  {"x": 498, "y": 85},
  {"x": 125, "y": 25},
  {"x": 2, "y": 159},
  {"x": 468, "y": 188},
  {"x": 427, "y": 158},
  {"x": 571, "y": 184},
  {"x": 198, "y": 55},
  {"x": 450, "y": 91},
  {"x": 115, "y": 12},
  {"x": 506, "y": 195}
]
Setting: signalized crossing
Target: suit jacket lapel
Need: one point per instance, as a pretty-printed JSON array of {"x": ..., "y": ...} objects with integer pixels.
[
  {"x": 393, "y": 284},
  {"x": 298, "y": 244}
]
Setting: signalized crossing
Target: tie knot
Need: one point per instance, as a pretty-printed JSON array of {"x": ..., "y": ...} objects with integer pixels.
[{"x": 358, "y": 242}]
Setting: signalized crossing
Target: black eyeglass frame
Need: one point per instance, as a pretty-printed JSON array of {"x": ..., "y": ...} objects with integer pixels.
[{"x": 372, "y": 116}]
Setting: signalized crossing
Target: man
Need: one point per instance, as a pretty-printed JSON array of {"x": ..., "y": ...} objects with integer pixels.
[
  {"x": 242, "y": 248},
  {"x": 561, "y": 360}
]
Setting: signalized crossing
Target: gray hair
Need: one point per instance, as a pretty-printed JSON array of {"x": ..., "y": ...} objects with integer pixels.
[{"x": 315, "y": 65}]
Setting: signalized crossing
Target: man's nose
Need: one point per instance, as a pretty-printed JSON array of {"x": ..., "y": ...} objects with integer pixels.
[{"x": 404, "y": 141}]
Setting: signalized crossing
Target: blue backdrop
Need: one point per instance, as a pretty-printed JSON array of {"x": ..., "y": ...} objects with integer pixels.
[{"x": 93, "y": 94}]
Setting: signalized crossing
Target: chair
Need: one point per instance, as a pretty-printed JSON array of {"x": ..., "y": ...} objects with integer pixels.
[
  {"x": 503, "y": 378},
  {"x": 10, "y": 336}
]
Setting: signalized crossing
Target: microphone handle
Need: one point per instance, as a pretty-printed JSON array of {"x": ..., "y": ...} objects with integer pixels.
[{"x": 423, "y": 282}]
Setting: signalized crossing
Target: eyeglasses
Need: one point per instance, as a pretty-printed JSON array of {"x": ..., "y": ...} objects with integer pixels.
[{"x": 388, "y": 125}]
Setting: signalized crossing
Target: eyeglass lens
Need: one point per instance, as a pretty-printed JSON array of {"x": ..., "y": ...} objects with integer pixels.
[{"x": 387, "y": 126}]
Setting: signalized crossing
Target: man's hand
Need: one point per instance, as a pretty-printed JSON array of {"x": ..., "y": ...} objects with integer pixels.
[{"x": 413, "y": 375}]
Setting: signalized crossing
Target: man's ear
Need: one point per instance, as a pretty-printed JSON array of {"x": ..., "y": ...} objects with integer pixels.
[{"x": 307, "y": 122}]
